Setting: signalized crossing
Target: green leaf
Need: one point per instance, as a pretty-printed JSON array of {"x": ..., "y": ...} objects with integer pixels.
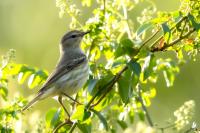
[
  {"x": 125, "y": 87},
  {"x": 149, "y": 63},
  {"x": 85, "y": 128},
  {"x": 177, "y": 15},
  {"x": 3, "y": 92},
  {"x": 122, "y": 124},
  {"x": 141, "y": 115},
  {"x": 131, "y": 115},
  {"x": 49, "y": 115},
  {"x": 101, "y": 118},
  {"x": 135, "y": 67},
  {"x": 126, "y": 47},
  {"x": 118, "y": 62},
  {"x": 143, "y": 28},
  {"x": 119, "y": 52},
  {"x": 22, "y": 76},
  {"x": 167, "y": 32},
  {"x": 193, "y": 22},
  {"x": 81, "y": 113},
  {"x": 91, "y": 85},
  {"x": 36, "y": 78},
  {"x": 169, "y": 77},
  {"x": 86, "y": 3},
  {"x": 56, "y": 118},
  {"x": 102, "y": 83}
]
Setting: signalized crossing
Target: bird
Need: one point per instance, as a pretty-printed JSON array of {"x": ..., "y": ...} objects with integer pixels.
[{"x": 70, "y": 73}]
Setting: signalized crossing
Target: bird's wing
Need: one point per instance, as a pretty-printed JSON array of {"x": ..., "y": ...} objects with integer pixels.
[{"x": 62, "y": 70}]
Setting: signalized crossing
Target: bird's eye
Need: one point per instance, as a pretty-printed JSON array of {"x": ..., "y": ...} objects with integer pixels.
[{"x": 73, "y": 36}]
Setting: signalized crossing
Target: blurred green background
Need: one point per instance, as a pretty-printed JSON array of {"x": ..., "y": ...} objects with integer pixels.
[{"x": 34, "y": 29}]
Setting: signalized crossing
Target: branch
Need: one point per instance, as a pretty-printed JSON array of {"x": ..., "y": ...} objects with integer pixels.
[
  {"x": 166, "y": 127},
  {"x": 149, "y": 39},
  {"x": 61, "y": 125},
  {"x": 172, "y": 29},
  {"x": 144, "y": 107},
  {"x": 73, "y": 127},
  {"x": 115, "y": 79},
  {"x": 109, "y": 86},
  {"x": 173, "y": 43}
]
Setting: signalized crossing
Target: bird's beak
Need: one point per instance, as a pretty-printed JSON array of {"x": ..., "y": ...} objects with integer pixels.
[{"x": 84, "y": 33}]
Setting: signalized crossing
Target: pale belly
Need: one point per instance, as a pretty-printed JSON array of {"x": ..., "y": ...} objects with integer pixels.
[{"x": 74, "y": 80}]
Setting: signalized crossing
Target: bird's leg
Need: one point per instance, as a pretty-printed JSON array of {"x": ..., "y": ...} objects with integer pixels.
[
  {"x": 74, "y": 100},
  {"x": 61, "y": 103}
]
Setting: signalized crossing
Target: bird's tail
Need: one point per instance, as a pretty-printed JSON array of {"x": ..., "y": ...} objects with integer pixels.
[{"x": 38, "y": 97}]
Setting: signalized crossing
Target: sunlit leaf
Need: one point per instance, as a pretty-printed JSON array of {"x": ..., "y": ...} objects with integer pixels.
[
  {"x": 80, "y": 113},
  {"x": 169, "y": 77},
  {"x": 86, "y": 2},
  {"x": 148, "y": 66},
  {"x": 3, "y": 92},
  {"x": 152, "y": 92},
  {"x": 22, "y": 76}
]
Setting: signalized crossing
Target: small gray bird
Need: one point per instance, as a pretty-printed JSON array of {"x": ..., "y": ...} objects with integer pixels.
[{"x": 70, "y": 73}]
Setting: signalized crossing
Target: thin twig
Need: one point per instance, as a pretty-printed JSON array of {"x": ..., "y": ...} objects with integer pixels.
[
  {"x": 149, "y": 39},
  {"x": 172, "y": 29},
  {"x": 61, "y": 125},
  {"x": 174, "y": 42},
  {"x": 166, "y": 127},
  {"x": 72, "y": 99},
  {"x": 144, "y": 107},
  {"x": 73, "y": 127},
  {"x": 115, "y": 79},
  {"x": 108, "y": 87},
  {"x": 104, "y": 7}
]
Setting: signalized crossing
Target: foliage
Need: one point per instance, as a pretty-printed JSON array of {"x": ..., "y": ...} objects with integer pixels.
[{"x": 124, "y": 66}]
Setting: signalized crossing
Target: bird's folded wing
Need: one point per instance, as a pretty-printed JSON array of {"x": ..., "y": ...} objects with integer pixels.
[{"x": 62, "y": 70}]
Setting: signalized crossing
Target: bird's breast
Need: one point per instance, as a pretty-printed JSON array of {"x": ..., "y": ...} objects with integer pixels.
[{"x": 74, "y": 79}]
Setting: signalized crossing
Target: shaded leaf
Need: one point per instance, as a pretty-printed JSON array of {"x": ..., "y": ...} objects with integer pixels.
[
  {"x": 91, "y": 85},
  {"x": 193, "y": 22},
  {"x": 56, "y": 118},
  {"x": 167, "y": 32},
  {"x": 125, "y": 88},
  {"x": 101, "y": 118},
  {"x": 135, "y": 67},
  {"x": 143, "y": 28},
  {"x": 122, "y": 124},
  {"x": 85, "y": 128},
  {"x": 49, "y": 115}
]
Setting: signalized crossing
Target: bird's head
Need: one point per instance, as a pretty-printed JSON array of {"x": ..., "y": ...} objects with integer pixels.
[{"x": 72, "y": 39}]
